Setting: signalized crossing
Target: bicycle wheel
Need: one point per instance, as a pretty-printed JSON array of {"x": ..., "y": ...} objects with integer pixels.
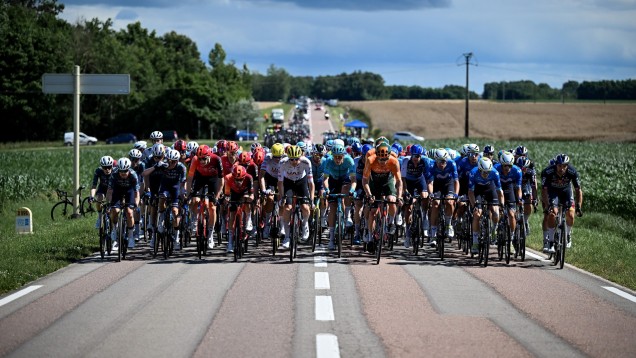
[
  {"x": 442, "y": 237},
  {"x": 563, "y": 245},
  {"x": 486, "y": 246},
  {"x": 123, "y": 241},
  {"x": 379, "y": 242},
  {"x": 258, "y": 228},
  {"x": 296, "y": 233},
  {"x": 507, "y": 246},
  {"x": 87, "y": 209},
  {"x": 501, "y": 241},
  {"x": 416, "y": 222},
  {"x": 61, "y": 210},
  {"x": 315, "y": 225},
  {"x": 340, "y": 232},
  {"x": 119, "y": 238},
  {"x": 146, "y": 217},
  {"x": 102, "y": 237},
  {"x": 200, "y": 235},
  {"x": 522, "y": 241},
  {"x": 237, "y": 239}
]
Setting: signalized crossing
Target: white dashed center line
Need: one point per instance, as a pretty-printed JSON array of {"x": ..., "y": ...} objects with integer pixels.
[
  {"x": 324, "y": 308},
  {"x": 321, "y": 280},
  {"x": 327, "y": 346}
]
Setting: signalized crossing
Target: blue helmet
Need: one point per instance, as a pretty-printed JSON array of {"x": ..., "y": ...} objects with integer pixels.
[
  {"x": 417, "y": 149},
  {"x": 353, "y": 140},
  {"x": 562, "y": 159},
  {"x": 356, "y": 147},
  {"x": 489, "y": 149},
  {"x": 338, "y": 150},
  {"x": 397, "y": 146},
  {"x": 366, "y": 148},
  {"x": 329, "y": 144}
]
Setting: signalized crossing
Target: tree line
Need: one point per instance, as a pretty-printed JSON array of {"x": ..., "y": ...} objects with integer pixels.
[{"x": 571, "y": 90}]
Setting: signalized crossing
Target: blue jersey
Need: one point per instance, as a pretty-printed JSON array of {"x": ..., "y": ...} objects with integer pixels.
[
  {"x": 103, "y": 179},
  {"x": 359, "y": 164},
  {"x": 510, "y": 181},
  {"x": 174, "y": 176},
  {"x": 411, "y": 171},
  {"x": 551, "y": 181},
  {"x": 475, "y": 179},
  {"x": 317, "y": 168},
  {"x": 118, "y": 183},
  {"x": 464, "y": 167},
  {"x": 449, "y": 173},
  {"x": 139, "y": 169},
  {"x": 339, "y": 171}
]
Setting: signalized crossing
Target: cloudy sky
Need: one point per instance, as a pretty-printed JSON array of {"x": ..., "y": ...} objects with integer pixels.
[{"x": 408, "y": 42}]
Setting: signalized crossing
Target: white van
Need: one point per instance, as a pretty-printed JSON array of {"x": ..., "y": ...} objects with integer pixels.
[
  {"x": 83, "y": 139},
  {"x": 278, "y": 115}
]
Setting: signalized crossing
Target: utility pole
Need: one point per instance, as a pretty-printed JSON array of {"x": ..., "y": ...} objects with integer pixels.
[{"x": 467, "y": 57}]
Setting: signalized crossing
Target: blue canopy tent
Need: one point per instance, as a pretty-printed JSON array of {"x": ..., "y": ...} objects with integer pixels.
[{"x": 357, "y": 126}]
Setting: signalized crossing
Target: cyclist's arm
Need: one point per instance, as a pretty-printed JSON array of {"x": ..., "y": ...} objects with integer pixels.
[
  {"x": 456, "y": 186},
  {"x": 136, "y": 197},
  {"x": 312, "y": 189},
  {"x": 109, "y": 195},
  {"x": 578, "y": 194},
  {"x": 500, "y": 194},
  {"x": 365, "y": 186},
  {"x": 471, "y": 197},
  {"x": 280, "y": 187},
  {"x": 261, "y": 180},
  {"x": 219, "y": 185},
  {"x": 352, "y": 177}
]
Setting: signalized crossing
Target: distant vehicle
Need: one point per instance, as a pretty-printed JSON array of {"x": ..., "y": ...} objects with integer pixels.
[
  {"x": 332, "y": 102},
  {"x": 278, "y": 115},
  {"x": 122, "y": 138},
  {"x": 318, "y": 106},
  {"x": 243, "y": 135},
  {"x": 169, "y": 136},
  {"x": 83, "y": 139},
  {"x": 407, "y": 136}
]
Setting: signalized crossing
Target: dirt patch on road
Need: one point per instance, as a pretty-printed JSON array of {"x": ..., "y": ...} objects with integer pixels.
[{"x": 544, "y": 121}]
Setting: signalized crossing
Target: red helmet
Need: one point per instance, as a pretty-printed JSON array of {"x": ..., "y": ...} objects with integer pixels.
[
  {"x": 238, "y": 172},
  {"x": 232, "y": 147},
  {"x": 180, "y": 145},
  {"x": 408, "y": 148},
  {"x": 245, "y": 158},
  {"x": 204, "y": 151},
  {"x": 259, "y": 157},
  {"x": 348, "y": 150},
  {"x": 259, "y": 149},
  {"x": 220, "y": 144}
]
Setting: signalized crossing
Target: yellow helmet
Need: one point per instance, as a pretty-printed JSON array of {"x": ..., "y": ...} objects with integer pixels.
[
  {"x": 277, "y": 150},
  {"x": 294, "y": 151}
]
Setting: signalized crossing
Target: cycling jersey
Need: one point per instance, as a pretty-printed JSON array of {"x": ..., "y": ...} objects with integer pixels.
[
  {"x": 291, "y": 172},
  {"x": 436, "y": 174},
  {"x": 139, "y": 169},
  {"x": 379, "y": 172},
  {"x": 551, "y": 180},
  {"x": 103, "y": 179},
  {"x": 243, "y": 188},
  {"x": 464, "y": 167},
  {"x": 412, "y": 171},
  {"x": 117, "y": 183},
  {"x": 317, "y": 169},
  {"x": 211, "y": 169},
  {"x": 342, "y": 171},
  {"x": 270, "y": 165},
  {"x": 227, "y": 165},
  {"x": 475, "y": 179},
  {"x": 509, "y": 182},
  {"x": 528, "y": 181},
  {"x": 174, "y": 176}
]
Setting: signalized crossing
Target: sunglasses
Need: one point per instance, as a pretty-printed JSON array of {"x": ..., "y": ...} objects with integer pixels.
[
  {"x": 172, "y": 161},
  {"x": 204, "y": 159},
  {"x": 294, "y": 159},
  {"x": 506, "y": 166},
  {"x": 107, "y": 168},
  {"x": 276, "y": 157},
  {"x": 123, "y": 172},
  {"x": 415, "y": 156},
  {"x": 472, "y": 154},
  {"x": 338, "y": 157}
]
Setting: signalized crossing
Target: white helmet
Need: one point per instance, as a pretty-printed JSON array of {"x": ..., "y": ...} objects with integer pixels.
[
  {"x": 464, "y": 149},
  {"x": 173, "y": 155},
  {"x": 441, "y": 154},
  {"x": 141, "y": 145},
  {"x": 106, "y": 161},
  {"x": 158, "y": 150},
  {"x": 135, "y": 153},
  {"x": 123, "y": 164},
  {"x": 472, "y": 148},
  {"x": 485, "y": 165},
  {"x": 338, "y": 142},
  {"x": 192, "y": 147},
  {"x": 156, "y": 135},
  {"x": 452, "y": 153},
  {"x": 507, "y": 158}
]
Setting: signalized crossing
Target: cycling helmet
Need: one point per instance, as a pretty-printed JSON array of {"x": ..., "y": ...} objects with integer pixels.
[
  {"x": 464, "y": 150},
  {"x": 408, "y": 148},
  {"x": 245, "y": 158},
  {"x": 484, "y": 165},
  {"x": 338, "y": 150},
  {"x": 329, "y": 144},
  {"x": 562, "y": 159},
  {"x": 277, "y": 150},
  {"x": 204, "y": 151},
  {"x": 452, "y": 153},
  {"x": 123, "y": 164},
  {"x": 416, "y": 149},
  {"x": 134, "y": 154},
  {"x": 141, "y": 145},
  {"x": 365, "y": 148},
  {"x": 552, "y": 161},
  {"x": 158, "y": 150},
  {"x": 440, "y": 154},
  {"x": 215, "y": 150},
  {"x": 318, "y": 149},
  {"x": 473, "y": 148},
  {"x": 338, "y": 142},
  {"x": 381, "y": 140},
  {"x": 238, "y": 172},
  {"x": 431, "y": 153},
  {"x": 156, "y": 135},
  {"x": 106, "y": 161},
  {"x": 353, "y": 140},
  {"x": 523, "y": 162},
  {"x": 521, "y": 151},
  {"x": 294, "y": 151},
  {"x": 258, "y": 157},
  {"x": 370, "y": 140},
  {"x": 396, "y": 147},
  {"x": 499, "y": 154},
  {"x": 489, "y": 149},
  {"x": 507, "y": 159},
  {"x": 180, "y": 146},
  {"x": 173, "y": 154},
  {"x": 192, "y": 147},
  {"x": 255, "y": 145},
  {"x": 356, "y": 147},
  {"x": 301, "y": 144},
  {"x": 232, "y": 147},
  {"x": 382, "y": 151}
]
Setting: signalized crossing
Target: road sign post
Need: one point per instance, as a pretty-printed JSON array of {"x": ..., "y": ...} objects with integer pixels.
[{"x": 78, "y": 84}]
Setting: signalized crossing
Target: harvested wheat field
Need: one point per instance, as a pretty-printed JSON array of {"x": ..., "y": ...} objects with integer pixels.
[
  {"x": 543, "y": 121},
  {"x": 262, "y": 105}
]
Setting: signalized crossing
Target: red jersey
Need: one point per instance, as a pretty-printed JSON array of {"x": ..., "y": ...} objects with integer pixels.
[
  {"x": 246, "y": 187},
  {"x": 251, "y": 168},
  {"x": 227, "y": 166},
  {"x": 212, "y": 169}
]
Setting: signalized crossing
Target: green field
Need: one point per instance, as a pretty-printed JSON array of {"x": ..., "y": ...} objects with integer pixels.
[{"x": 604, "y": 242}]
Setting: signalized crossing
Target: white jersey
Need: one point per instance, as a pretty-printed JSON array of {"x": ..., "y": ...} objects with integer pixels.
[
  {"x": 271, "y": 166},
  {"x": 291, "y": 172}
]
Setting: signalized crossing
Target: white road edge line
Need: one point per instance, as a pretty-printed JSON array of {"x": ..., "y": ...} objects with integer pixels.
[
  {"x": 623, "y": 294},
  {"x": 321, "y": 281},
  {"x": 327, "y": 346},
  {"x": 18, "y": 294},
  {"x": 535, "y": 256},
  {"x": 320, "y": 261},
  {"x": 324, "y": 308}
]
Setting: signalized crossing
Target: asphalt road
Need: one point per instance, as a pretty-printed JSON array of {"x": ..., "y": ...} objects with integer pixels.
[{"x": 318, "y": 306}]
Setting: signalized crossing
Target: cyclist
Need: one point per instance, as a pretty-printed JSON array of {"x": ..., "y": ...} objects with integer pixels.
[
  {"x": 205, "y": 170},
  {"x": 123, "y": 184},
  {"x": 317, "y": 169},
  {"x": 268, "y": 177},
  {"x": 484, "y": 183},
  {"x": 378, "y": 182},
  {"x": 152, "y": 178},
  {"x": 510, "y": 178},
  {"x": 359, "y": 152},
  {"x": 464, "y": 166},
  {"x": 182, "y": 147},
  {"x": 528, "y": 188},
  {"x": 557, "y": 181},
  {"x": 171, "y": 190},
  {"x": 101, "y": 179},
  {"x": 155, "y": 137},
  {"x": 295, "y": 178},
  {"x": 138, "y": 166},
  {"x": 340, "y": 176},
  {"x": 414, "y": 171},
  {"x": 239, "y": 186},
  {"x": 489, "y": 152},
  {"x": 445, "y": 183}
]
